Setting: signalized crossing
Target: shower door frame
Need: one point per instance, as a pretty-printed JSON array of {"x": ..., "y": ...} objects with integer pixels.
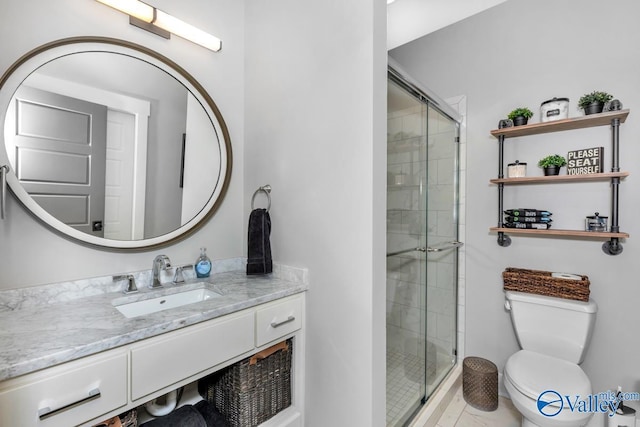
[{"x": 401, "y": 79}]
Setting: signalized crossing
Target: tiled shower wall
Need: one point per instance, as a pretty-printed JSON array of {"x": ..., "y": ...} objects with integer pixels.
[
  {"x": 406, "y": 175},
  {"x": 441, "y": 292},
  {"x": 409, "y": 175}
]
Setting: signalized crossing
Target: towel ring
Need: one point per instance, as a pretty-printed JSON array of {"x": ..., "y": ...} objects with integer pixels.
[{"x": 266, "y": 189}]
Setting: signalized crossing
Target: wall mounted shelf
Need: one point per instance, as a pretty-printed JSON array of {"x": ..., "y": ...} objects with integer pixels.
[
  {"x": 562, "y": 233},
  {"x": 593, "y": 120},
  {"x": 612, "y": 244},
  {"x": 559, "y": 178}
]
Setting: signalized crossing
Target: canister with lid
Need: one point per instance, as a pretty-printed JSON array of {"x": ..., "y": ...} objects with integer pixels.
[
  {"x": 516, "y": 170},
  {"x": 554, "y": 109},
  {"x": 596, "y": 222}
]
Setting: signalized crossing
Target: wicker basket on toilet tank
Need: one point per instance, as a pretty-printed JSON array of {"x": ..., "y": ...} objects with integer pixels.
[{"x": 544, "y": 283}]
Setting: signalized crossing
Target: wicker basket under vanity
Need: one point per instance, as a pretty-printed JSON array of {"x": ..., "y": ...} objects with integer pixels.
[{"x": 253, "y": 390}]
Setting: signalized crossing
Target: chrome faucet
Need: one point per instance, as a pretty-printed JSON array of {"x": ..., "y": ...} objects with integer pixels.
[
  {"x": 130, "y": 285},
  {"x": 178, "y": 278},
  {"x": 161, "y": 262}
]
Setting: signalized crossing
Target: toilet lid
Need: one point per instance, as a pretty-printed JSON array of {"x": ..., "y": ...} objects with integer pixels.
[{"x": 533, "y": 373}]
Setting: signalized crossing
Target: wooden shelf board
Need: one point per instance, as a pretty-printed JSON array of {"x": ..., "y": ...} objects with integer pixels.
[
  {"x": 559, "y": 178},
  {"x": 561, "y": 233},
  {"x": 592, "y": 120}
]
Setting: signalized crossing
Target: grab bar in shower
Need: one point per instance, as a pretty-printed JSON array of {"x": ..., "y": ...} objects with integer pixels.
[{"x": 446, "y": 246}]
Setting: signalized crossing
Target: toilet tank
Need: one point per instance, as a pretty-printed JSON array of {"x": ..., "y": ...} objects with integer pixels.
[{"x": 556, "y": 327}]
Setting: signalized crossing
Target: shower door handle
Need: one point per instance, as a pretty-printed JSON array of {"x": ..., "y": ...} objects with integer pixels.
[
  {"x": 404, "y": 251},
  {"x": 447, "y": 246}
]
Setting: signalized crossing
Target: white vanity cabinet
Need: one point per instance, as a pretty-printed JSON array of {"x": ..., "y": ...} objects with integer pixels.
[
  {"x": 89, "y": 390},
  {"x": 277, "y": 320},
  {"x": 68, "y": 394},
  {"x": 168, "y": 360}
]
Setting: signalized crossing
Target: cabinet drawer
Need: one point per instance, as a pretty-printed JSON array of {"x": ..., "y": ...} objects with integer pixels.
[
  {"x": 278, "y": 320},
  {"x": 187, "y": 352},
  {"x": 66, "y": 395}
]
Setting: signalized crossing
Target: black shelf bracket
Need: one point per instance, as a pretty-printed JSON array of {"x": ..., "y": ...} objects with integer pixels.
[
  {"x": 613, "y": 246},
  {"x": 503, "y": 239}
]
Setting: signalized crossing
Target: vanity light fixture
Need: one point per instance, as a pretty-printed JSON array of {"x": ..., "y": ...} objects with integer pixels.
[{"x": 161, "y": 23}]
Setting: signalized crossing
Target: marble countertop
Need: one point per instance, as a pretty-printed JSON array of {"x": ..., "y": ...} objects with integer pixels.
[{"x": 34, "y": 336}]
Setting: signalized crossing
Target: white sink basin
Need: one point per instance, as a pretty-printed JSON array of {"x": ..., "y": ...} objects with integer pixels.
[{"x": 153, "y": 305}]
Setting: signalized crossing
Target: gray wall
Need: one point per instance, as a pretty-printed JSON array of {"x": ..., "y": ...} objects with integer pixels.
[
  {"x": 520, "y": 54},
  {"x": 315, "y": 130},
  {"x": 30, "y": 253},
  {"x": 167, "y": 124}
]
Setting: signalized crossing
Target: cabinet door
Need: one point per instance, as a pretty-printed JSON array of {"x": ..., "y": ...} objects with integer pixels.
[
  {"x": 165, "y": 361},
  {"x": 277, "y": 320},
  {"x": 66, "y": 395}
]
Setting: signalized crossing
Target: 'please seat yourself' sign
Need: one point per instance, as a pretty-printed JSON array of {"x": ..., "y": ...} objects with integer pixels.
[{"x": 587, "y": 160}]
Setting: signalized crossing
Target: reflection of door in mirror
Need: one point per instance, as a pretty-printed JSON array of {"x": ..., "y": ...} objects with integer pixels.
[
  {"x": 119, "y": 217},
  {"x": 59, "y": 145},
  {"x": 118, "y": 203}
]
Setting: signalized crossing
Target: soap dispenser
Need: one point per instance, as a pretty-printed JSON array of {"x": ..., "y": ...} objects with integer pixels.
[{"x": 203, "y": 264}]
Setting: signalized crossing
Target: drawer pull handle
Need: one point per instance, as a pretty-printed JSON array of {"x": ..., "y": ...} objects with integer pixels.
[
  {"x": 47, "y": 412},
  {"x": 277, "y": 324}
]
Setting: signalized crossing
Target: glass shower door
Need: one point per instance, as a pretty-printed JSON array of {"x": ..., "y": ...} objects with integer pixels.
[
  {"x": 441, "y": 266},
  {"x": 422, "y": 245},
  {"x": 406, "y": 225}
]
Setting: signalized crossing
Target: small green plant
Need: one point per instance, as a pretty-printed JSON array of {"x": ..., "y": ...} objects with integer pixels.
[
  {"x": 520, "y": 112},
  {"x": 552, "y": 160},
  {"x": 595, "y": 96}
]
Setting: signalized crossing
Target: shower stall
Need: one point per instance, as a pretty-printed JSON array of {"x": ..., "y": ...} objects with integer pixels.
[{"x": 422, "y": 245}]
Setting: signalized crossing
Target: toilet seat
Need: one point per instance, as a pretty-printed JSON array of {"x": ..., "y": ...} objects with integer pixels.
[{"x": 533, "y": 373}]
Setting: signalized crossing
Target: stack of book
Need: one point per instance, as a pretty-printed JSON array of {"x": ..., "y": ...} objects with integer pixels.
[{"x": 527, "y": 218}]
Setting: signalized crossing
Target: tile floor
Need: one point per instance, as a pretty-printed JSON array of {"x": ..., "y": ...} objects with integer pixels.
[
  {"x": 405, "y": 375},
  {"x": 460, "y": 414}
]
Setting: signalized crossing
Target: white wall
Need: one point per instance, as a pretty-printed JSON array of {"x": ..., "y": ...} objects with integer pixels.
[
  {"x": 520, "y": 54},
  {"x": 31, "y": 254},
  {"x": 315, "y": 130},
  {"x": 315, "y": 124}
]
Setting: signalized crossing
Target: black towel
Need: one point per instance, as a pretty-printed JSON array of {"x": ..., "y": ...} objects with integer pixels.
[
  {"x": 259, "y": 247},
  {"x": 212, "y": 417},
  {"x": 184, "y": 416}
]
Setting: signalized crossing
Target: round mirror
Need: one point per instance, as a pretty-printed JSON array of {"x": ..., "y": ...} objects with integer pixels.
[{"x": 111, "y": 143}]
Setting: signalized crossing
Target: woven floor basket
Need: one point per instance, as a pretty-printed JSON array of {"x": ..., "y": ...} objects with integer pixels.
[
  {"x": 542, "y": 283},
  {"x": 253, "y": 390},
  {"x": 480, "y": 383}
]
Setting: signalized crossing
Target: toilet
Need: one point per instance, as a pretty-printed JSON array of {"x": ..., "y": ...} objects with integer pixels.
[{"x": 554, "y": 334}]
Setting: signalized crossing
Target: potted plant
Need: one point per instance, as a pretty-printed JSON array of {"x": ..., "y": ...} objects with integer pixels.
[
  {"x": 552, "y": 164},
  {"x": 593, "y": 103},
  {"x": 520, "y": 116}
]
